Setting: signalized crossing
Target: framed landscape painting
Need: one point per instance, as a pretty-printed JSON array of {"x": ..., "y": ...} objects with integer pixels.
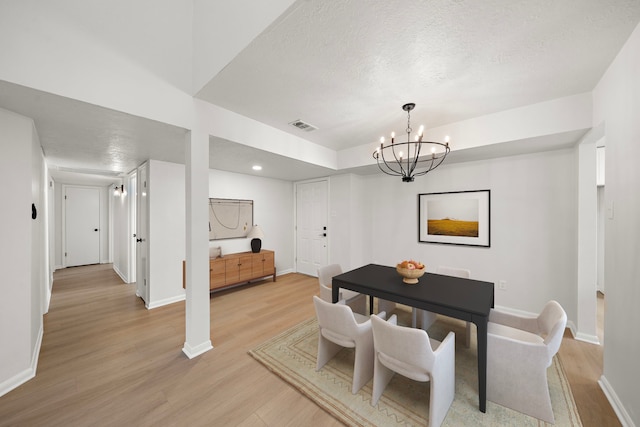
[{"x": 455, "y": 218}]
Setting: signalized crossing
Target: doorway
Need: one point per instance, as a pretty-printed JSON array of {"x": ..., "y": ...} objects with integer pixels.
[
  {"x": 311, "y": 226},
  {"x": 132, "y": 224},
  {"x": 142, "y": 208},
  {"x": 81, "y": 226}
]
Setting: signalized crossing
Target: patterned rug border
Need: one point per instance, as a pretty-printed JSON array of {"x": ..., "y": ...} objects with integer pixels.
[
  {"x": 352, "y": 417},
  {"x": 309, "y": 391}
]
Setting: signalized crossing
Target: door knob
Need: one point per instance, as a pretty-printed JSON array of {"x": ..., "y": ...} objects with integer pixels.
[{"x": 95, "y": 229}]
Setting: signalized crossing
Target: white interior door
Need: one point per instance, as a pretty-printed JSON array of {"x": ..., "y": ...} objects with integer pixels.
[
  {"x": 142, "y": 219},
  {"x": 132, "y": 221},
  {"x": 311, "y": 226},
  {"x": 82, "y": 225}
]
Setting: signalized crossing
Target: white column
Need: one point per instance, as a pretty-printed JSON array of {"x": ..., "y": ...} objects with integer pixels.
[{"x": 197, "y": 321}]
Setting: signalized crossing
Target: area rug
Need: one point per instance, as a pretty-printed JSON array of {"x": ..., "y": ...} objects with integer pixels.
[{"x": 292, "y": 356}]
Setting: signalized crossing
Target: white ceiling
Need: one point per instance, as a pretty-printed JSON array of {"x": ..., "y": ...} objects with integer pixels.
[{"x": 347, "y": 68}]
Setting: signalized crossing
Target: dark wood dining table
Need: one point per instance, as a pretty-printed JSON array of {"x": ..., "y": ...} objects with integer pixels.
[{"x": 465, "y": 299}]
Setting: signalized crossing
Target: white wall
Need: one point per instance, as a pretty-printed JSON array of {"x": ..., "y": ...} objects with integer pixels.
[
  {"x": 143, "y": 64},
  {"x": 121, "y": 237},
  {"x": 51, "y": 232},
  {"x": 166, "y": 240},
  {"x": 273, "y": 208},
  {"x": 38, "y": 247},
  {"x": 616, "y": 102},
  {"x": 23, "y": 254},
  {"x": 59, "y": 227},
  {"x": 533, "y": 225}
]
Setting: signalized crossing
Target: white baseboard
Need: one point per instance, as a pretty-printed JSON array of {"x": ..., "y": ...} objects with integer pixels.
[
  {"x": 155, "y": 304},
  {"x": 119, "y": 273},
  {"x": 515, "y": 311},
  {"x": 592, "y": 339},
  {"x": 27, "y": 374},
  {"x": 572, "y": 328},
  {"x": 617, "y": 406},
  {"x": 192, "y": 352},
  {"x": 166, "y": 301}
]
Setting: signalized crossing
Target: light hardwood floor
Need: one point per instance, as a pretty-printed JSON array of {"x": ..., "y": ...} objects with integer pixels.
[{"x": 106, "y": 360}]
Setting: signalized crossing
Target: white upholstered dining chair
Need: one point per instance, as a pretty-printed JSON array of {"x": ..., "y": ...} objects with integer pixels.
[
  {"x": 340, "y": 327},
  {"x": 357, "y": 302},
  {"x": 519, "y": 351},
  {"x": 411, "y": 353}
]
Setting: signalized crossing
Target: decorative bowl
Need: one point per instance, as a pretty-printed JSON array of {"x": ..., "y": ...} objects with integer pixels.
[{"x": 410, "y": 276}]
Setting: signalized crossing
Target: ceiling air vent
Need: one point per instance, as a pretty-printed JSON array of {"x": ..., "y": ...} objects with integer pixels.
[{"x": 303, "y": 126}]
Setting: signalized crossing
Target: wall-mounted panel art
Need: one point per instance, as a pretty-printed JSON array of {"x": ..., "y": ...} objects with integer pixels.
[
  {"x": 229, "y": 218},
  {"x": 455, "y": 218}
]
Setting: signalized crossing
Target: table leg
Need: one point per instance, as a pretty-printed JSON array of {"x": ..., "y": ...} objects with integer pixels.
[
  {"x": 371, "y": 305},
  {"x": 481, "y": 325},
  {"x": 335, "y": 293}
]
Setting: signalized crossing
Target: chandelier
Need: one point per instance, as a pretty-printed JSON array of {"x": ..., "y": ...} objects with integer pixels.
[{"x": 403, "y": 158}]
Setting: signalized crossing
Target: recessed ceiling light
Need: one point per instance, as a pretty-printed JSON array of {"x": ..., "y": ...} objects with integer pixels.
[{"x": 257, "y": 167}]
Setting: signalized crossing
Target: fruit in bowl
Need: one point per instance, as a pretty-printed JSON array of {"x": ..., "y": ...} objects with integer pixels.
[{"x": 410, "y": 271}]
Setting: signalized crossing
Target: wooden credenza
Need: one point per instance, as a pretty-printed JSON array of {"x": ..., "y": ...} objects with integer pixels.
[{"x": 241, "y": 267}]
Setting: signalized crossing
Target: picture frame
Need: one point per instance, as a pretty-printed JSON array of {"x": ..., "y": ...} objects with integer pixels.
[
  {"x": 455, "y": 218},
  {"x": 229, "y": 218}
]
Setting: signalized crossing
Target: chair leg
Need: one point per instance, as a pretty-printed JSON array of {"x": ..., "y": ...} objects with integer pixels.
[
  {"x": 358, "y": 304},
  {"x": 428, "y": 318},
  {"x": 443, "y": 385},
  {"x": 362, "y": 367},
  {"x": 326, "y": 350},
  {"x": 381, "y": 377},
  {"x": 386, "y": 306},
  {"x": 519, "y": 380}
]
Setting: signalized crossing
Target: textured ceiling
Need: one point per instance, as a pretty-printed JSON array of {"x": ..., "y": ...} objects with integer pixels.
[
  {"x": 348, "y": 67},
  {"x": 80, "y": 138}
]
